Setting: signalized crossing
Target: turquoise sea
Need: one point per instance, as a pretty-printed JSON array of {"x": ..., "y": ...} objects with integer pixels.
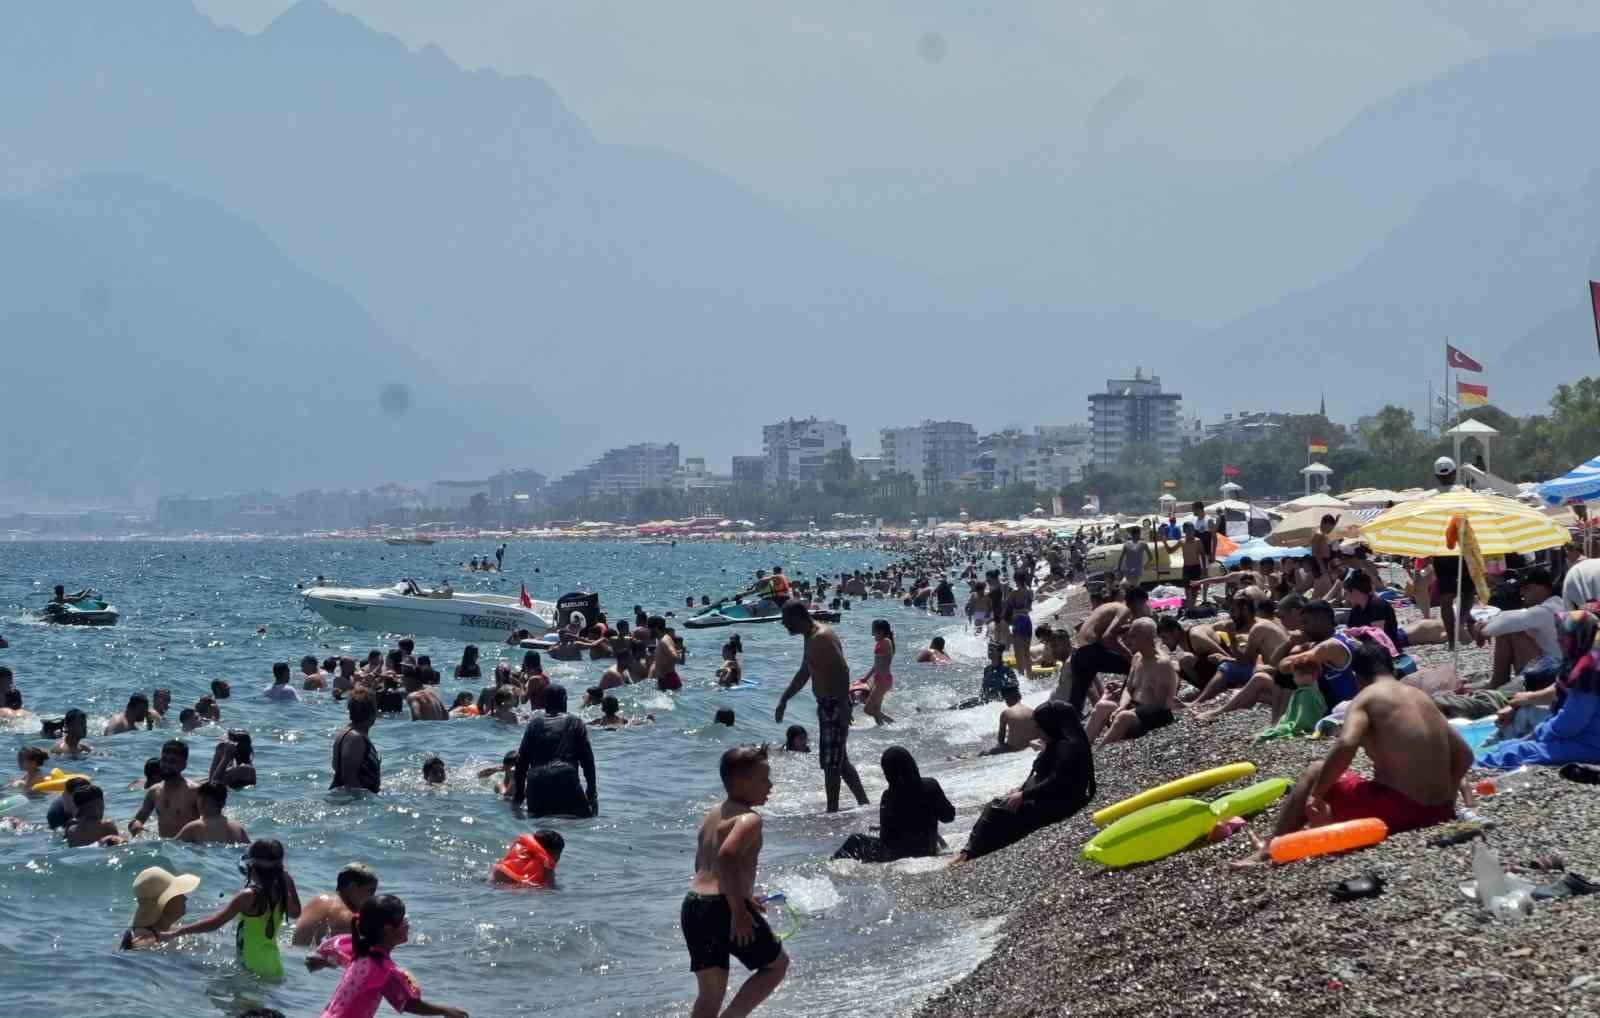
[{"x": 605, "y": 940}]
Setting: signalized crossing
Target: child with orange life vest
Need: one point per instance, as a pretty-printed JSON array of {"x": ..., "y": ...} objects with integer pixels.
[{"x": 531, "y": 860}]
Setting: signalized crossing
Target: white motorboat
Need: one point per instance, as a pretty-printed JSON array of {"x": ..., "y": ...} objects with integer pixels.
[{"x": 406, "y": 608}]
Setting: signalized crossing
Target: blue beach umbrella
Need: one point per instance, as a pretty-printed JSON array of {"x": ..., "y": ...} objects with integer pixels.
[
  {"x": 1259, "y": 550},
  {"x": 1580, "y": 484}
]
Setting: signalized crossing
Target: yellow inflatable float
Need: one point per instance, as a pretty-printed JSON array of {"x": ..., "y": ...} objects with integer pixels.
[
  {"x": 1171, "y": 790},
  {"x": 56, "y": 782},
  {"x": 1152, "y": 833}
]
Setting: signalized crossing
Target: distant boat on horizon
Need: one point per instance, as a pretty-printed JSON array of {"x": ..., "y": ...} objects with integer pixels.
[{"x": 408, "y": 539}]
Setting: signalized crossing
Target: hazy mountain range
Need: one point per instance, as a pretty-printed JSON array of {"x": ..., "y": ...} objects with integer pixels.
[{"x": 226, "y": 240}]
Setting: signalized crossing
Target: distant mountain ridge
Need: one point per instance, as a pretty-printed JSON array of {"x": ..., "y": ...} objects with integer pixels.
[
  {"x": 596, "y": 293},
  {"x": 155, "y": 342}
]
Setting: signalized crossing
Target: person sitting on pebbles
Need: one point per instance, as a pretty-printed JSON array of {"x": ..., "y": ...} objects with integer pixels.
[
  {"x": 1149, "y": 695},
  {"x": 1418, "y": 760}
]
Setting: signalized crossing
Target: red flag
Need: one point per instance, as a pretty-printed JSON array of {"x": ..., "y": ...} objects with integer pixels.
[
  {"x": 1229, "y": 470},
  {"x": 1460, "y": 361},
  {"x": 1472, "y": 395},
  {"x": 527, "y": 602},
  {"x": 1594, "y": 304}
]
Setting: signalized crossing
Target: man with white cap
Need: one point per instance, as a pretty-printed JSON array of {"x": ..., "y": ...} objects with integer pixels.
[
  {"x": 1447, "y": 568},
  {"x": 162, "y": 900}
]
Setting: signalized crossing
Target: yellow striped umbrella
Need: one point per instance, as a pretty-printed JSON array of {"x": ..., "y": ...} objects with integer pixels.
[{"x": 1502, "y": 526}]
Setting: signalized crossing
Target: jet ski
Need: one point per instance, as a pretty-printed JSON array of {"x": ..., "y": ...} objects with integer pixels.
[
  {"x": 739, "y": 612},
  {"x": 87, "y": 610}
]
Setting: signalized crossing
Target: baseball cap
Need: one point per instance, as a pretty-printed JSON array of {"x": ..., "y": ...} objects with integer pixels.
[{"x": 1444, "y": 466}]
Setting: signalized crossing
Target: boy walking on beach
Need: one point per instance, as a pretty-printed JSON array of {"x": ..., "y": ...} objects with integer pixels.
[
  {"x": 823, "y": 665},
  {"x": 721, "y": 916}
]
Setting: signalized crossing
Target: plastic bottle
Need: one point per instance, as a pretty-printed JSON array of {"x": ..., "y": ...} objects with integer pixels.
[
  {"x": 1502, "y": 896},
  {"x": 1503, "y": 784}
]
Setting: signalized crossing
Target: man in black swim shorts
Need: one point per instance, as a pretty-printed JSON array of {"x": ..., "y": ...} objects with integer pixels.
[
  {"x": 1146, "y": 702},
  {"x": 824, "y": 666}
]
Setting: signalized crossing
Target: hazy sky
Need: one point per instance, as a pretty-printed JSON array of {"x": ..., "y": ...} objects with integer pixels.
[{"x": 855, "y": 115}]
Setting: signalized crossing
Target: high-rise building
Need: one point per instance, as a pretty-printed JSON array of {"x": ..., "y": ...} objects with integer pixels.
[
  {"x": 1051, "y": 458},
  {"x": 796, "y": 449},
  {"x": 624, "y": 471},
  {"x": 750, "y": 470},
  {"x": 936, "y": 453},
  {"x": 1134, "y": 411}
]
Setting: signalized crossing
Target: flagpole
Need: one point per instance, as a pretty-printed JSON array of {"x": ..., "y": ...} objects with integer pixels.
[{"x": 1446, "y": 383}]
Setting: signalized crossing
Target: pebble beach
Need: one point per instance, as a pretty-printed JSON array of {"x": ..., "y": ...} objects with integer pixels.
[{"x": 1188, "y": 935}]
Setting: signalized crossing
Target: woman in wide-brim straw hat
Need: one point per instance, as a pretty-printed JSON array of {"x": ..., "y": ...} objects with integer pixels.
[{"x": 162, "y": 900}]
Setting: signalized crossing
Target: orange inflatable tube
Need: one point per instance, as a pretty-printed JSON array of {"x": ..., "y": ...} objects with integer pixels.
[
  {"x": 526, "y": 862},
  {"x": 1317, "y": 841}
]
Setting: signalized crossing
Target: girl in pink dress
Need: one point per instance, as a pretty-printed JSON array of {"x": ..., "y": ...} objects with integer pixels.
[{"x": 372, "y": 976}]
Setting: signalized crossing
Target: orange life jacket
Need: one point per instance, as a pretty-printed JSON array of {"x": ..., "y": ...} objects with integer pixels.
[
  {"x": 527, "y": 863},
  {"x": 780, "y": 585}
]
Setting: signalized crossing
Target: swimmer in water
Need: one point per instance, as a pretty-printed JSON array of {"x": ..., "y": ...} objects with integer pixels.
[
  {"x": 732, "y": 672},
  {"x": 503, "y": 784},
  {"x": 933, "y": 653},
  {"x": 213, "y": 827},
  {"x": 162, "y": 900},
  {"x": 433, "y": 771},
  {"x": 175, "y": 801},
  {"x": 328, "y": 915},
  {"x": 796, "y": 740},
  {"x": 30, "y": 761},
  {"x": 73, "y": 730},
  {"x": 721, "y": 917},
  {"x": 89, "y": 825}
]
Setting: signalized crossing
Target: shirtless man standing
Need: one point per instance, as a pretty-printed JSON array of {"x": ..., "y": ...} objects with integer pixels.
[
  {"x": 175, "y": 801},
  {"x": 721, "y": 917},
  {"x": 328, "y": 915},
  {"x": 213, "y": 827},
  {"x": 1149, "y": 696},
  {"x": 668, "y": 657},
  {"x": 824, "y": 666},
  {"x": 1418, "y": 761},
  {"x": 1100, "y": 647}
]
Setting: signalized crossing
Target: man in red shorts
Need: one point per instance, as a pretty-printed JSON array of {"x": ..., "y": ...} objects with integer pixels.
[{"x": 1418, "y": 760}]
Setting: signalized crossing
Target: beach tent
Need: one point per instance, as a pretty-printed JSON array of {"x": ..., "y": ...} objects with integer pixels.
[
  {"x": 1580, "y": 484},
  {"x": 1260, "y": 551}
]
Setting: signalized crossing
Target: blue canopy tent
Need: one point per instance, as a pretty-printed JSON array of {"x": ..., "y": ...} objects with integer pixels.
[
  {"x": 1259, "y": 550},
  {"x": 1580, "y": 484}
]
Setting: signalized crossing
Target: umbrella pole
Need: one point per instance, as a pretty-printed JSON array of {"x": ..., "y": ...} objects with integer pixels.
[{"x": 1455, "y": 651}]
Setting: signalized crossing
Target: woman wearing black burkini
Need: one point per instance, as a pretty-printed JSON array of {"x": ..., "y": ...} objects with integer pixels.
[
  {"x": 555, "y": 748},
  {"x": 909, "y": 814},
  {"x": 1060, "y": 784}
]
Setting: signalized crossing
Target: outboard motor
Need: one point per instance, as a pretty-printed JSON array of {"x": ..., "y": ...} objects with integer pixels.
[{"x": 587, "y": 605}]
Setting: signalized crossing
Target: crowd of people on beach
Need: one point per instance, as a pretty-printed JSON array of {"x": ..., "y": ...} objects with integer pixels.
[{"x": 1311, "y": 643}]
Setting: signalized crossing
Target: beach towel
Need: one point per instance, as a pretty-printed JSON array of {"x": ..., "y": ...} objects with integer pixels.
[{"x": 1306, "y": 707}]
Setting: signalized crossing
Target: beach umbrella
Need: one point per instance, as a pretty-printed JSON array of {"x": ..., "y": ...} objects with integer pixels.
[
  {"x": 1260, "y": 551},
  {"x": 1580, "y": 484},
  {"x": 1503, "y": 526},
  {"x": 1315, "y": 500},
  {"x": 1296, "y": 529}
]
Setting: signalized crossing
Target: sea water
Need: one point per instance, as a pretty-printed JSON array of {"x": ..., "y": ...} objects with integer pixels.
[{"x": 605, "y": 939}]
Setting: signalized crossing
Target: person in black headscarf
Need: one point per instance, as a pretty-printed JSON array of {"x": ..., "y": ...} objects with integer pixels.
[
  {"x": 554, "y": 748},
  {"x": 909, "y": 814},
  {"x": 1060, "y": 784}
]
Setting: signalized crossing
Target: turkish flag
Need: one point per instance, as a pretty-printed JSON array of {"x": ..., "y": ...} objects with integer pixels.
[
  {"x": 527, "y": 602},
  {"x": 1460, "y": 361},
  {"x": 1594, "y": 304},
  {"x": 1229, "y": 470}
]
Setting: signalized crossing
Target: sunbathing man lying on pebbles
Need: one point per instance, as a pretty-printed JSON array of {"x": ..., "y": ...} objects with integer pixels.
[{"x": 1418, "y": 760}]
